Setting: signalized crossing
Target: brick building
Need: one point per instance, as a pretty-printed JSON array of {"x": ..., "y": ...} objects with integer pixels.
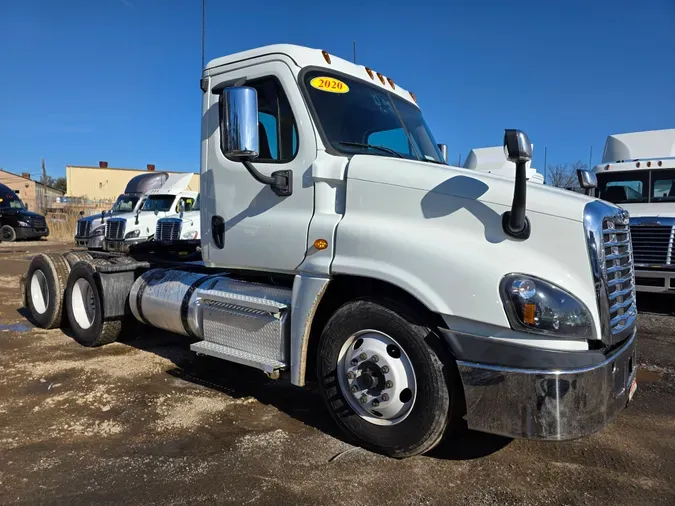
[{"x": 36, "y": 196}]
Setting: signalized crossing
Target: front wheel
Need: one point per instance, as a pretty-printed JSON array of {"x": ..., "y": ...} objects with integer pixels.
[
  {"x": 382, "y": 379},
  {"x": 7, "y": 234}
]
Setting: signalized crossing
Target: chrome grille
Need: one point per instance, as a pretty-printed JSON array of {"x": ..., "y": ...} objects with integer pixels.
[
  {"x": 168, "y": 229},
  {"x": 83, "y": 228},
  {"x": 38, "y": 222},
  {"x": 114, "y": 229},
  {"x": 611, "y": 254},
  {"x": 652, "y": 243},
  {"x": 619, "y": 273}
]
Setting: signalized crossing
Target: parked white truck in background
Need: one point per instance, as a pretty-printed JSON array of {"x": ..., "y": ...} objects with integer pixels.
[
  {"x": 337, "y": 244},
  {"x": 638, "y": 173},
  {"x": 493, "y": 161},
  {"x": 138, "y": 227},
  {"x": 185, "y": 226},
  {"x": 91, "y": 229}
]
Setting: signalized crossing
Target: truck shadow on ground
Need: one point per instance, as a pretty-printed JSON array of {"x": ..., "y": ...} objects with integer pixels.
[{"x": 302, "y": 404}]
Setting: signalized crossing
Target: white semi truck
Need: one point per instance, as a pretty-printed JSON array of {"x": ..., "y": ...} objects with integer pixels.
[
  {"x": 184, "y": 227},
  {"x": 91, "y": 229},
  {"x": 338, "y": 245},
  {"x": 130, "y": 229},
  {"x": 493, "y": 161},
  {"x": 638, "y": 173}
]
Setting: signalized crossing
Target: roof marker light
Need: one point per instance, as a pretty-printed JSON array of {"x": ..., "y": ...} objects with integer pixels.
[
  {"x": 326, "y": 56},
  {"x": 381, "y": 77},
  {"x": 637, "y": 165},
  {"x": 607, "y": 167},
  {"x": 660, "y": 163},
  {"x": 370, "y": 73},
  {"x": 413, "y": 96},
  {"x": 649, "y": 164},
  {"x": 391, "y": 83}
]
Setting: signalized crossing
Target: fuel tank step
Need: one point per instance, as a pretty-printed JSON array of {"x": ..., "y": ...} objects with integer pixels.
[{"x": 240, "y": 357}]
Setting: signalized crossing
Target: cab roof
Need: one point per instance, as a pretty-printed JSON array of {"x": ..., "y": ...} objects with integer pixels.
[
  {"x": 639, "y": 145},
  {"x": 308, "y": 57}
]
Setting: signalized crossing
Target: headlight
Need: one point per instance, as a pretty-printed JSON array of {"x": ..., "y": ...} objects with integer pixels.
[
  {"x": 99, "y": 231},
  {"x": 22, "y": 224},
  {"x": 132, "y": 234},
  {"x": 190, "y": 235},
  {"x": 537, "y": 306}
]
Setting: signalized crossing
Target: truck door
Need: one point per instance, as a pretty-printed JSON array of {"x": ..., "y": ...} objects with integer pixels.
[{"x": 262, "y": 230}]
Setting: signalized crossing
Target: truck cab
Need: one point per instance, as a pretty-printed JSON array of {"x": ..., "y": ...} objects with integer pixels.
[
  {"x": 185, "y": 226},
  {"x": 493, "y": 161},
  {"x": 16, "y": 221},
  {"x": 90, "y": 230},
  {"x": 638, "y": 173},
  {"x": 128, "y": 229}
]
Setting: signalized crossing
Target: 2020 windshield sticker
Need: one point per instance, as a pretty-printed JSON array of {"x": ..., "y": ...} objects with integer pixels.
[{"x": 329, "y": 84}]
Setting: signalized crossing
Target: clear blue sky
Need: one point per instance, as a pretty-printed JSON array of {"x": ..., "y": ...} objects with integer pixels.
[{"x": 117, "y": 80}]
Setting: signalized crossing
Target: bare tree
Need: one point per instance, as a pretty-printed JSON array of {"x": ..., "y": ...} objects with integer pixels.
[{"x": 564, "y": 175}]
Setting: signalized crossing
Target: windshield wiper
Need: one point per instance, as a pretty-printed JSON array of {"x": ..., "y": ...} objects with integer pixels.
[{"x": 372, "y": 146}]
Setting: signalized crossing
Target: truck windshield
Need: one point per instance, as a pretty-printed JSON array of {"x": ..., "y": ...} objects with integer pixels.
[
  {"x": 10, "y": 202},
  {"x": 161, "y": 203},
  {"x": 368, "y": 119},
  {"x": 637, "y": 186},
  {"x": 124, "y": 204}
]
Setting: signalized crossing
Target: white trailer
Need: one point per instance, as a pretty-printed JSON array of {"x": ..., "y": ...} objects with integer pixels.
[
  {"x": 638, "y": 173},
  {"x": 338, "y": 245},
  {"x": 493, "y": 161}
]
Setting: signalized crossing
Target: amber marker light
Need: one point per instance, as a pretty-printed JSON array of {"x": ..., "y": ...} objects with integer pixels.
[{"x": 321, "y": 244}]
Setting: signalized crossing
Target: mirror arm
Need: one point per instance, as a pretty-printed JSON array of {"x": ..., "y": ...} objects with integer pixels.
[
  {"x": 514, "y": 222},
  {"x": 281, "y": 181}
]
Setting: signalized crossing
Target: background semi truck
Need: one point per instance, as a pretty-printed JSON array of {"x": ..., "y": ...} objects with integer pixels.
[
  {"x": 91, "y": 229},
  {"x": 493, "y": 161},
  {"x": 185, "y": 226},
  {"x": 638, "y": 173},
  {"x": 338, "y": 245}
]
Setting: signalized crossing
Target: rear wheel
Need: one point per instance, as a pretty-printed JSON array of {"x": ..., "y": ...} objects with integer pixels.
[
  {"x": 77, "y": 256},
  {"x": 44, "y": 286},
  {"x": 382, "y": 379},
  {"x": 84, "y": 307},
  {"x": 7, "y": 234}
]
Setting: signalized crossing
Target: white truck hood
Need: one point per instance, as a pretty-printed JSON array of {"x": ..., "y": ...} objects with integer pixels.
[{"x": 653, "y": 210}]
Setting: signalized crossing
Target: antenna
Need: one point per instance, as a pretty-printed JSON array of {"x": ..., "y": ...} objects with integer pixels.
[
  {"x": 203, "y": 29},
  {"x": 354, "y": 51},
  {"x": 590, "y": 159},
  {"x": 545, "y": 166}
]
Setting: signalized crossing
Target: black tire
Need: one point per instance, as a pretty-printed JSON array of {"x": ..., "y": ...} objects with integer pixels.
[
  {"x": 77, "y": 256},
  {"x": 7, "y": 234},
  {"x": 427, "y": 420},
  {"x": 84, "y": 307},
  {"x": 44, "y": 286}
]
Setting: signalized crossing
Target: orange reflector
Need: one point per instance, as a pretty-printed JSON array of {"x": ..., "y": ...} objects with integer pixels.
[
  {"x": 528, "y": 313},
  {"x": 637, "y": 165},
  {"x": 370, "y": 73},
  {"x": 321, "y": 244},
  {"x": 381, "y": 77},
  {"x": 607, "y": 167},
  {"x": 649, "y": 164},
  {"x": 391, "y": 83},
  {"x": 413, "y": 97},
  {"x": 660, "y": 163},
  {"x": 326, "y": 56}
]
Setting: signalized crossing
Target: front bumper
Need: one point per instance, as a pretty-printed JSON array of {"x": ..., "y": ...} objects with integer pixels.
[
  {"x": 23, "y": 233},
  {"x": 655, "y": 280},
  {"x": 95, "y": 242},
  {"x": 123, "y": 246},
  {"x": 549, "y": 403}
]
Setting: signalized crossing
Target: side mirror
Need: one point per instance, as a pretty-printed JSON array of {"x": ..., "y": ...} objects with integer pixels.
[
  {"x": 239, "y": 139},
  {"x": 102, "y": 215},
  {"x": 239, "y": 123},
  {"x": 444, "y": 151},
  {"x": 181, "y": 208},
  {"x": 587, "y": 180},
  {"x": 81, "y": 213},
  {"x": 138, "y": 212},
  {"x": 518, "y": 149}
]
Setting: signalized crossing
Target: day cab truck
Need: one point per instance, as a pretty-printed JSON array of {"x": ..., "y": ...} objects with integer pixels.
[
  {"x": 337, "y": 244},
  {"x": 184, "y": 227},
  {"x": 16, "y": 221},
  {"x": 91, "y": 229},
  {"x": 638, "y": 173},
  {"x": 493, "y": 161},
  {"x": 130, "y": 229}
]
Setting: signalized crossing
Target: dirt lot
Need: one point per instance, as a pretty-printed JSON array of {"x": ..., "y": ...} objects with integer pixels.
[{"x": 146, "y": 421}]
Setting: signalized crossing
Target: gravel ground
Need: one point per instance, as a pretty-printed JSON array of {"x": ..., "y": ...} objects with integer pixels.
[{"x": 146, "y": 421}]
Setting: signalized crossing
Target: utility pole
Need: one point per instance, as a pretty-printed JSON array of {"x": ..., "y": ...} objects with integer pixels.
[
  {"x": 203, "y": 30},
  {"x": 590, "y": 159},
  {"x": 44, "y": 186},
  {"x": 354, "y": 51}
]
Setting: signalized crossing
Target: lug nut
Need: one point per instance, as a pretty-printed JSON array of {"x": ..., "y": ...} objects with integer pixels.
[
  {"x": 375, "y": 358},
  {"x": 389, "y": 384},
  {"x": 385, "y": 369},
  {"x": 363, "y": 356},
  {"x": 363, "y": 399},
  {"x": 376, "y": 403},
  {"x": 385, "y": 397},
  {"x": 354, "y": 389},
  {"x": 351, "y": 375}
]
